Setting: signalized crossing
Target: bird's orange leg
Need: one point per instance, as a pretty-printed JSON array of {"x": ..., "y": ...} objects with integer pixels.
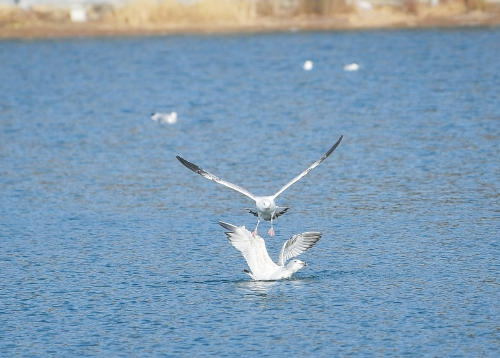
[{"x": 271, "y": 230}]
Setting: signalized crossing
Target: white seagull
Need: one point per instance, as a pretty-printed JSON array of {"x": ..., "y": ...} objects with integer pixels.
[
  {"x": 266, "y": 207},
  {"x": 165, "y": 118},
  {"x": 351, "y": 67},
  {"x": 253, "y": 248},
  {"x": 308, "y": 65}
]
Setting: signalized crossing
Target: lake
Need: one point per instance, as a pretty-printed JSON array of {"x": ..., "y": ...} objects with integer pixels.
[{"x": 110, "y": 247}]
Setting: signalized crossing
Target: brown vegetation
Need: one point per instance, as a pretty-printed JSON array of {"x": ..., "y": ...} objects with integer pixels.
[
  {"x": 164, "y": 16},
  {"x": 171, "y": 12}
]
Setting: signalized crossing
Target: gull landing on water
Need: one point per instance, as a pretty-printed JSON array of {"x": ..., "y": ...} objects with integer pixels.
[
  {"x": 255, "y": 253},
  {"x": 266, "y": 207}
]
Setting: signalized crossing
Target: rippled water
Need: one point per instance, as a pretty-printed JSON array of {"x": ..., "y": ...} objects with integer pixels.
[{"x": 110, "y": 247}]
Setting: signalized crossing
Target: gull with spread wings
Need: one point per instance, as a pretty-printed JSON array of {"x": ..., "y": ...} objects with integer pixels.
[
  {"x": 253, "y": 248},
  {"x": 266, "y": 208}
]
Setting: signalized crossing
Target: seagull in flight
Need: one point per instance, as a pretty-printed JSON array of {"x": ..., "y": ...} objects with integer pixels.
[
  {"x": 253, "y": 248},
  {"x": 266, "y": 208}
]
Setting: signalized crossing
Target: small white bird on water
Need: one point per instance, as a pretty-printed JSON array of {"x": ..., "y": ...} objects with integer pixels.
[
  {"x": 308, "y": 65},
  {"x": 253, "y": 248},
  {"x": 266, "y": 206},
  {"x": 351, "y": 67},
  {"x": 165, "y": 118}
]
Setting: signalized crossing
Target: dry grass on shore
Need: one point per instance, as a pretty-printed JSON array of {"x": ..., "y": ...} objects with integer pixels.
[
  {"x": 140, "y": 13},
  {"x": 151, "y": 12},
  {"x": 234, "y": 14}
]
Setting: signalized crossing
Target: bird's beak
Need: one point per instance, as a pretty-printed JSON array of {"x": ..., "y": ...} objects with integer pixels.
[{"x": 305, "y": 263}]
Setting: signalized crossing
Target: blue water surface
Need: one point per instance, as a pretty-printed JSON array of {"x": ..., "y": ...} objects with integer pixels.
[{"x": 110, "y": 247}]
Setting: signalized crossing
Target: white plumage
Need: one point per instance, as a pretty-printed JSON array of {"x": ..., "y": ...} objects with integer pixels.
[
  {"x": 308, "y": 65},
  {"x": 351, "y": 67},
  {"x": 165, "y": 118}
]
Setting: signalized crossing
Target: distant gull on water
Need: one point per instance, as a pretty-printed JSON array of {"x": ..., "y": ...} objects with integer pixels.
[
  {"x": 255, "y": 253},
  {"x": 351, "y": 67},
  {"x": 308, "y": 65},
  {"x": 165, "y": 118},
  {"x": 266, "y": 208}
]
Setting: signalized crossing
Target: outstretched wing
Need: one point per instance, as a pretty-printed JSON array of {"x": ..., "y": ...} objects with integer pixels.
[
  {"x": 253, "y": 249},
  {"x": 313, "y": 165},
  {"x": 297, "y": 245},
  {"x": 210, "y": 176}
]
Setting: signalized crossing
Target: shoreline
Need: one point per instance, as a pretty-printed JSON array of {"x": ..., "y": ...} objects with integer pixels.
[{"x": 375, "y": 20}]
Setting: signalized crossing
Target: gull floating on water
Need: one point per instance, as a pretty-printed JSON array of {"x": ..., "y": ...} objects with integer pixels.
[
  {"x": 165, "y": 118},
  {"x": 308, "y": 65},
  {"x": 253, "y": 248},
  {"x": 351, "y": 67},
  {"x": 266, "y": 208}
]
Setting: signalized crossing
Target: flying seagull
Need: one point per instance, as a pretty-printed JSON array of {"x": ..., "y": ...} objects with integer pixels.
[
  {"x": 253, "y": 248},
  {"x": 266, "y": 208}
]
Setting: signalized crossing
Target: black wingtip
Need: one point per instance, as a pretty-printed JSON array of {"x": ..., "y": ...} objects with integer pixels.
[
  {"x": 334, "y": 147},
  {"x": 191, "y": 166},
  {"x": 338, "y": 142},
  {"x": 182, "y": 160}
]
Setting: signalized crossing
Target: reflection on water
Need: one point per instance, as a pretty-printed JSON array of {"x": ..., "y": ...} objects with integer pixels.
[
  {"x": 110, "y": 247},
  {"x": 257, "y": 287}
]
